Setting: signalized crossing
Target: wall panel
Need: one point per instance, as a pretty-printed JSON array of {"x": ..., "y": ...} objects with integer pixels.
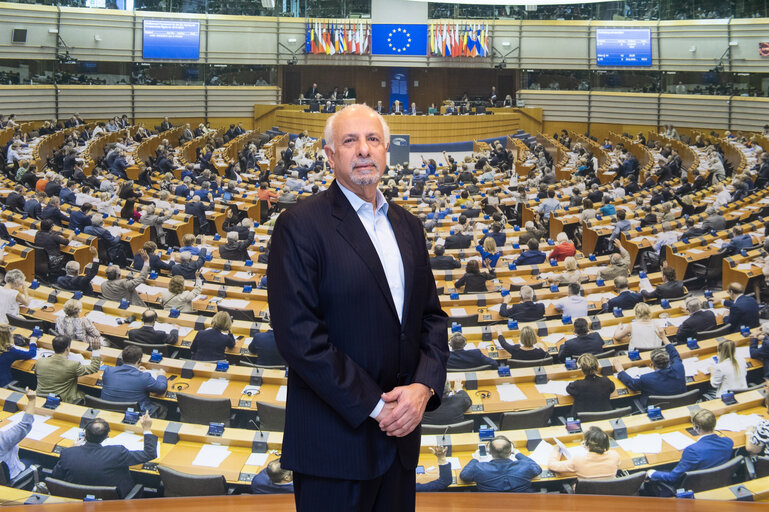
[{"x": 36, "y": 102}]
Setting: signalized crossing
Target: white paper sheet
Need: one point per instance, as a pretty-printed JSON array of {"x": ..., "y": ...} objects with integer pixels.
[
  {"x": 454, "y": 461},
  {"x": 257, "y": 459},
  {"x": 41, "y": 430},
  {"x": 36, "y": 303},
  {"x": 644, "y": 443},
  {"x": 282, "y": 392},
  {"x": 637, "y": 371},
  {"x": 555, "y": 387},
  {"x": 510, "y": 392},
  {"x": 744, "y": 266},
  {"x": 677, "y": 320},
  {"x": 517, "y": 280},
  {"x": 72, "y": 434},
  {"x": 98, "y": 317},
  {"x": 734, "y": 422},
  {"x": 129, "y": 440},
  {"x": 553, "y": 338},
  {"x": 541, "y": 453},
  {"x": 149, "y": 290},
  {"x": 694, "y": 251},
  {"x": 211, "y": 456},
  {"x": 742, "y": 353},
  {"x": 677, "y": 440},
  {"x": 495, "y": 308},
  {"x": 98, "y": 280},
  {"x": 591, "y": 271},
  {"x": 213, "y": 386},
  {"x": 645, "y": 284},
  {"x": 234, "y": 303},
  {"x": 458, "y": 312},
  {"x": 598, "y": 297},
  {"x": 243, "y": 275}
]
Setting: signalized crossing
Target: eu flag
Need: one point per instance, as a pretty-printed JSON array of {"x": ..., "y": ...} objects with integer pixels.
[{"x": 398, "y": 39}]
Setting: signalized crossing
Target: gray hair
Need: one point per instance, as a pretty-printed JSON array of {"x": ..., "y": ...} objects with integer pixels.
[
  {"x": 185, "y": 256},
  {"x": 15, "y": 277},
  {"x": 97, "y": 220},
  {"x": 112, "y": 272},
  {"x": 328, "y": 131},
  {"x": 72, "y": 268},
  {"x": 527, "y": 293},
  {"x": 693, "y": 304},
  {"x": 72, "y": 307},
  {"x": 232, "y": 236}
]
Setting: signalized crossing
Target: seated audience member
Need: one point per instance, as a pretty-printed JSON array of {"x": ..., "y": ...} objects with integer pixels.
[
  {"x": 73, "y": 281},
  {"x": 264, "y": 346},
  {"x": 118, "y": 288},
  {"x": 112, "y": 244},
  {"x": 273, "y": 480},
  {"x": 10, "y": 353},
  {"x": 130, "y": 383},
  {"x": 730, "y": 373},
  {"x": 743, "y": 310},
  {"x": 531, "y": 230},
  {"x": 458, "y": 241},
  {"x": 761, "y": 352},
  {"x": 528, "y": 349},
  {"x": 149, "y": 335},
  {"x": 572, "y": 274},
  {"x": 234, "y": 249},
  {"x": 592, "y": 393},
  {"x": 453, "y": 406},
  {"x": 668, "y": 377},
  {"x": 757, "y": 437},
  {"x": 489, "y": 253},
  {"x": 641, "y": 333},
  {"x": 210, "y": 344},
  {"x": 78, "y": 328},
  {"x": 620, "y": 226},
  {"x": 156, "y": 263},
  {"x": 51, "y": 243},
  {"x": 564, "y": 249},
  {"x": 598, "y": 462},
  {"x": 574, "y": 306},
  {"x": 670, "y": 288},
  {"x": 11, "y": 437},
  {"x": 13, "y": 294},
  {"x": 58, "y": 374},
  {"x": 444, "y": 472},
  {"x": 525, "y": 311},
  {"x": 738, "y": 241},
  {"x": 176, "y": 297},
  {"x": 501, "y": 473},
  {"x": 709, "y": 451},
  {"x": 474, "y": 281},
  {"x": 442, "y": 261},
  {"x": 585, "y": 342},
  {"x": 94, "y": 464},
  {"x": 459, "y": 358},
  {"x": 699, "y": 320},
  {"x": 531, "y": 256},
  {"x": 188, "y": 245},
  {"x": 187, "y": 268},
  {"x": 625, "y": 299},
  {"x": 619, "y": 264}
]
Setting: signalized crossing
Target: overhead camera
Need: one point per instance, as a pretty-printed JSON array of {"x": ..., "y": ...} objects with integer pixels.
[
  {"x": 66, "y": 59},
  {"x": 292, "y": 61},
  {"x": 501, "y": 65}
]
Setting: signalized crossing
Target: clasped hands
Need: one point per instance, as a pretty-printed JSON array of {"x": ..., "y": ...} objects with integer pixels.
[{"x": 403, "y": 409}]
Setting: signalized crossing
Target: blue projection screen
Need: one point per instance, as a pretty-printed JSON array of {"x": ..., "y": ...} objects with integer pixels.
[
  {"x": 623, "y": 47},
  {"x": 168, "y": 39}
]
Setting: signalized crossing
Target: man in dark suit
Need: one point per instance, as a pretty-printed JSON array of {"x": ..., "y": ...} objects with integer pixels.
[
  {"x": 692, "y": 230},
  {"x": 442, "y": 262},
  {"x": 714, "y": 221},
  {"x": 502, "y": 473},
  {"x": 525, "y": 311},
  {"x": 234, "y": 249},
  {"x": 73, "y": 281},
  {"x": 738, "y": 241},
  {"x": 360, "y": 327},
  {"x": 263, "y": 345},
  {"x": 197, "y": 208},
  {"x": 460, "y": 359},
  {"x": 79, "y": 219},
  {"x": 743, "y": 310},
  {"x": 94, "y": 464},
  {"x": 165, "y": 125},
  {"x": 273, "y": 480},
  {"x": 188, "y": 268},
  {"x": 625, "y": 299},
  {"x": 129, "y": 383},
  {"x": 761, "y": 352},
  {"x": 312, "y": 92},
  {"x": 459, "y": 241},
  {"x": 670, "y": 287},
  {"x": 532, "y": 255},
  {"x": 452, "y": 409},
  {"x": 699, "y": 320},
  {"x": 151, "y": 336},
  {"x": 585, "y": 342},
  {"x": 156, "y": 262},
  {"x": 668, "y": 377},
  {"x": 15, "y": 200}
]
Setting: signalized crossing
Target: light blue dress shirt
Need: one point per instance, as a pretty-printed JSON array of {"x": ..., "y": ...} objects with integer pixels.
[{"x": 382, "y": 236}]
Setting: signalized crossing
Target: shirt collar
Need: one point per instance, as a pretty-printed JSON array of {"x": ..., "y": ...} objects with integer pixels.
[{"x": 357, "y": 203}]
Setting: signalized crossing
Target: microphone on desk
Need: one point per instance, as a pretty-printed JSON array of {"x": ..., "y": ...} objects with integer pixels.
[{"x": 261, "y": 434}]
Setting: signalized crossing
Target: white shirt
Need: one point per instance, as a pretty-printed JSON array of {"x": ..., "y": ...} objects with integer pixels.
[
  {"x": 8, "y": 303},
  {"x": 724, "y": 378},
  {"x": 380, "y": 231},
  {"x": 574, "y": 306}
]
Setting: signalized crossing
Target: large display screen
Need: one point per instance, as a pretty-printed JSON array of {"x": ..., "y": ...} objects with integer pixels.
[
  {"x": 168, "y": 39},
  {"x": 623, "y": 47}
]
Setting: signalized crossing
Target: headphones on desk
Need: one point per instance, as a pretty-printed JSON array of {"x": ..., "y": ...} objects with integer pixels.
[
  {"x": 251, "y": 392},
  {"x": 181, "y": 386},
  {"x": 483, "y": 394}
]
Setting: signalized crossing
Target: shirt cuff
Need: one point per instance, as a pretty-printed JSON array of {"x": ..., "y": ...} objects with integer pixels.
[
  {"x": 377, "y": 409},
  {"x": 148, "y": 432}
]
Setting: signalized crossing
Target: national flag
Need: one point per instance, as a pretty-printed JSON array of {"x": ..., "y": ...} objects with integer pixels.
[{"x": 485, "y": 39}]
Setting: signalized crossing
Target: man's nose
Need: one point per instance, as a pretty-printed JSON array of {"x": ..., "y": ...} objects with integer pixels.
[{"x": 363, "y": 147}]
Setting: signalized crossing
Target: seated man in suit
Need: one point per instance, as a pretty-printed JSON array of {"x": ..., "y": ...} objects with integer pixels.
[
  {"x": 129, "y": 383},
  {"x": 459, "y": 358},
  {"x": 329, "y": 108},
  {"x": 111, "y": 242},
  {"x": 149, "y": 335},
  {"x": 709, "y": 451},
  {"x": 273, "y": 480},
  {"x": 156, "y": 263},
  {"x": 453, "y": 406},
  {"x": 585, "y": 342},
  {"x": 692, "y": 230},
  {"x": 761, "y": 352},
  {"x": 625, "y": 299},
  {"x": 699, "y": 320},
  {"x": 738, "y": 241},
  {"x": 58, "y": 374},
  {"x": 441, "y": 261},
  {"x": 79, "y": 219},
  {"x": 458, "y": 241},
  {"x": 94, "y": 464},
  {"x": 525, "y": 311},
  {"x": 118, "y": 288},
  {"x": 444, "y": 472},
  {"x": 668, "y": 377},
  {"x": 531, "y": 256},
  {"x": 15, "y": 200},
  {"x": 188, "y": 268},
  {"x": 73, "y": 281},
  {"x": 670, "y": 287},
  {"x": 743, "y": 310},
  {"x": 234, "y": 249},
  {"x": 197, "y": 209},
  {"x": 264, "y": 346},
  {"x": 501, "y": 473},
  {"x": 714, "y": 221}
]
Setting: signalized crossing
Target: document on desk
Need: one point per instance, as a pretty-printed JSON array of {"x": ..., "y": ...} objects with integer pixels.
[
  {"x": 243, "y": 275},
  {"x": 552, "y": 339},
  {"x": 173, "y": 222},
  {"x": 11, "y": 225},
  {"x": 72, "y": 434},
  {"x": 30, "y": 232},
  {"x": 744, "y": 266},
  {"x": 517, "y": 280},
  {"x": 282, "y": 392},
  {"x": 234, "y": 303},
  {"x": 149, "y": 290},
  {"x": 742, "y": 353},
  {"x": 677, "y": 320},
  {"x": 98, "y": 317},
  {"x": 167, "y": 328},
  {"x": 257, "y": 459},
  {"x": 213, "y": 386},
  {"x": 454, "y": 461},
  {"x": 607, "y": 332},
  {"x": 129, "y": 440},
  {"x": 40, "y": 429},
  {"x": 591, "y": 271},
  {"x": 458, "y": 312},
  {"x": 677, "y": 440},
  {"x": 36, "y": 303},
  {"x": 637, "y": 371},
  {"x": 644, "y": 443},
  {"x": 510, "y": 392},
  {"x": 553, "y": 387},
  {"x": 211, "y": 456},
  {"x": 734, "y": 422},
  {"x": 645, "y": 285},
  {"x": 98, "y": 280},
  {"x": 541, "y": 453},
  {"x": 495, "y": 308},
  {"x": 690, "y": 366},
  {"x": 694, "y": 251}
]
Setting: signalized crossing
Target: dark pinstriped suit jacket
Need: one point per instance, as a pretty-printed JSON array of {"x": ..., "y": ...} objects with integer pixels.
[{"x": 336, "y": 325}]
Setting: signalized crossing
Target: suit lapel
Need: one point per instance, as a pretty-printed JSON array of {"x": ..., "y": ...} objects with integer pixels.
[
  {"x": 401, "y": 231},
  {"x": 351, "y": 229}
]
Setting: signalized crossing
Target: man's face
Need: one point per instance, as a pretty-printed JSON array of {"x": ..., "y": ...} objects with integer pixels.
[{"x": 360, "y": 153}]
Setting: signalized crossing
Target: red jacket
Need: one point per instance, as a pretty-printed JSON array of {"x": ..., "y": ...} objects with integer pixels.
[{"x": 562, "y": 251}]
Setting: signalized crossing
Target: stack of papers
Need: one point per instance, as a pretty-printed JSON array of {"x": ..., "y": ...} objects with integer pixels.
[
  {"x": 598, "y": 297},
  {"x": 243, "y": 275},
  {"x": 517, "y": 280},
  {"x": 98, "y": 280},
  {"x": 554, "y": 387},
  {"x": 129, "y": 440},
  {"x": 281, "y": 396},
  {"x": 167, "y": 328},
  {"x": 637, "y": 371},
  {"x": 592, "y": 270},
  {"x": 510, "y": 392},
  {"x": 495, "y": 307},
  {"x": 149, "y": 290},
  {"x": 213, "y": 387},
  {"x": 541, "y": 453},
  {"x": 36, "y": 303},
  {"x": 677, "y": 440},
  {"x": 458, "y": 312},
  {"x": 734, "y": 422},
  {"x": 744, "y": 266},
  {"x": 257, "y": 459},
  {"x": 552, "y": 339},
  {"x": 211, "y": 456},
  {"x": 644, "y": 443},
  {"x": 645, "y": 284},
  {"x": 234, "y": 303},
  {"x": 98, "y": 317}
]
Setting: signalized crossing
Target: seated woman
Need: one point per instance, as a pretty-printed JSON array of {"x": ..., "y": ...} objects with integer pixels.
[
  {"x": 529, "y": 348},
  {"x": 489, "y": 253},
  {"x": 9, "y": 353},
  {"x": 598, "y": 462},
  {"x": 564, "y": 249},
  {"x": 591, "y": 394},
  {"x": 641, "y": 333},
  {"x": 12, "y": 294},
  {"x": 572, "y": 274},
  {"x": 729, "y": 374},
  {"x": 177, "y": 298},
  {"x": 210, "y": 344},
  {"x": 474, "y": 281},
  {"x": 77, "y": 328},
  {"x": 128, "y": 211}
]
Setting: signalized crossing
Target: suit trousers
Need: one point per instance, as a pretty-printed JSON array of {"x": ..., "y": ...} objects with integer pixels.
[{"x": 394, "y": 490}]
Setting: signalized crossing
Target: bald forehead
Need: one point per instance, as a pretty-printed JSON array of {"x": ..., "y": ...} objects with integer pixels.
[{"x": 356, "y": 119}]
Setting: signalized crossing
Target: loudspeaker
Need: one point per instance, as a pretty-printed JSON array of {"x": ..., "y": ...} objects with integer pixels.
[{"x": 20, "y": 35}]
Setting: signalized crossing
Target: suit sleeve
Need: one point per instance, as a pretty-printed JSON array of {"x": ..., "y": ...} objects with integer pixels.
[
  {"x": 532, "y": 469},
  {"x": 630, "y": 382},
  {"x": 468, "y": 472},
  {"x": 689, "y": 460},
  {"x": 757, "y": 352},
  {"x": 153, "y": 385},
  {"x": 300, "y": 331},
  {"x": 441, "y": 483},
  {"x": 81, "y": 370},
  {"x": 150, "y": 451}
]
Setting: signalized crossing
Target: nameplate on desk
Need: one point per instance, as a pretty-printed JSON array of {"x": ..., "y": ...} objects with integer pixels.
[
  {"x": 244, "y": 403},
  {"x": 640, "y": 461},
  {"x": 551, "y": 401},
  {"x": 476, "y": 408},
  {"x": 547, "y": 474},
  {"x": 186, "y": 343},
  {"x": 246, "y": 477},
  {"x": 622, "y": 392},
  {"x": 170, "y": 395},
  {"x": 150, "y": 466}
]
